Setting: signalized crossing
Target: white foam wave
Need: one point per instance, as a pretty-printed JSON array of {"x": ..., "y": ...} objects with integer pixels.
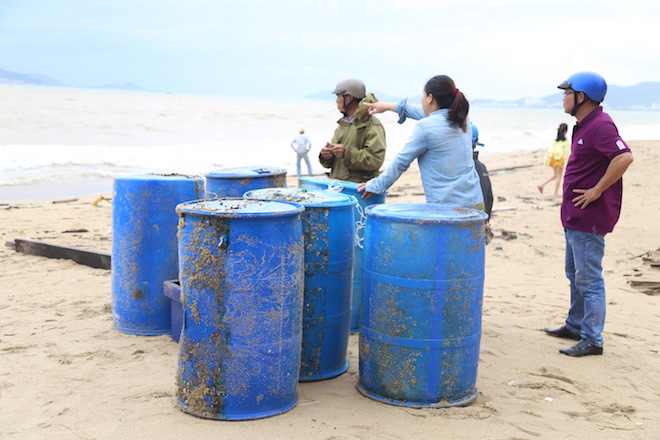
[{"x": 58, "y": 134}]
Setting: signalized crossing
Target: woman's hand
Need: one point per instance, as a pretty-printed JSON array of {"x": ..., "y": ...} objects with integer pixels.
[
  {"x": 380, "y": 107},
  {"x": 361, "y": 188}
]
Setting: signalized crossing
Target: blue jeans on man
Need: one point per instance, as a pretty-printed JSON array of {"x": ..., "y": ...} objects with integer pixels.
[
  {"x": 584, "y": 269},
  {"x": 309, "y": 165}
]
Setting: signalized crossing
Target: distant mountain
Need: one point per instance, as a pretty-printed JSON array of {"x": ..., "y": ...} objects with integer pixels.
[
  {"x": 7, "y": 77},
  {"x": 326, "y": 95},
  {"x": 643, "y": 96}
]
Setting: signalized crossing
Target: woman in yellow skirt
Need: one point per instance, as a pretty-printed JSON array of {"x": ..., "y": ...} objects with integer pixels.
[{"x": 556, "y": 158}]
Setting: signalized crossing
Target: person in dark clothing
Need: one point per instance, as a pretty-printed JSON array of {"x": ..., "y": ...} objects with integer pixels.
[{"x": 484, "y": 180}]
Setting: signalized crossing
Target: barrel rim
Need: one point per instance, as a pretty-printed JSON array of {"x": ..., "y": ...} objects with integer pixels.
[
  {"x": 186, "y": 208},
  {"x": 235, "y": 172},
  {"x": 328, "y": 180},
  {"x": 341, "y": 200},
  {"x": 474, "y": 214},
  {"x": 461, "y": 401},
  {"x": 346, "y": 184},
  {"x": 159, "y": 177}
]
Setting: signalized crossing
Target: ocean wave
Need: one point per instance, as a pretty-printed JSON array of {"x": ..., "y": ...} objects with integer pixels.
[{"x": 58, "y": 134}]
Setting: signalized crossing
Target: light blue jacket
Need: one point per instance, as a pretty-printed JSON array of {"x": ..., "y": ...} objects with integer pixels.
[{"x": 444, "y": 154}]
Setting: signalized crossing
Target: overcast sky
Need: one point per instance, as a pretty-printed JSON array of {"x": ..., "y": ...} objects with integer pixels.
[{"x": 504, "y": 49}]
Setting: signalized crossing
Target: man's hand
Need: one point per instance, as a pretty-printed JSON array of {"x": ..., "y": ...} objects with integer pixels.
[
  {"x": 614, "y": 171},
  {"x": 586, "y": 197},
  {"x": 339, "y": 150},
  {"x": 326, "y": 152}
]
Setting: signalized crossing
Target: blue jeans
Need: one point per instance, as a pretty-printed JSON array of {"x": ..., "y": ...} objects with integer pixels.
[
  {"x": 584, "y": 269},
  {"x": 309, "y": 165}
]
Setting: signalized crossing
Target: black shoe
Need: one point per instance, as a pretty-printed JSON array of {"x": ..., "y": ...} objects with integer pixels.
[
  {"x": 582, "y": 348},
  {"x": 562, "y": 332}
]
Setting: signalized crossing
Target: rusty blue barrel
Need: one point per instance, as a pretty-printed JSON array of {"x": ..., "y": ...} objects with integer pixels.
[
  {"x": 144, "y": 248},
  {"x": 421, "y": 304},
  {"x": 241, "y": 275},
  {"x": 328, "y": 230},
  {"x": 349, "y": 188},
  {"x": 234, "y": 182}
]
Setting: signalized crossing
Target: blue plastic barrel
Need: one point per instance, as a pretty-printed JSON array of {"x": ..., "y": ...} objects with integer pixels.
[
  {"x": 144, "y": 248},
  {"x": 328, "y": 230},
  {"x": 241, "y": 274},
  {"x": 349, "y": 188},
  {"x": 421, "y": 304},
  {"x": 234, "y": 182}
]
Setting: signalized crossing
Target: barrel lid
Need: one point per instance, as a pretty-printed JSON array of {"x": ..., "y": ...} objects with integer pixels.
[
  {"x": 243, "y": 172},
  {"x": 155, "y": 176},
  {"x": 425, "y": 213},
  {"x": 328, "y": 182},
  {"x": 303, "y": 196},
  {"x": 239, "y": 207}
]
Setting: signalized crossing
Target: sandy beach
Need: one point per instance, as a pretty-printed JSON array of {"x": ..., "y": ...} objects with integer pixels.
[{"x": 65, "y": 373}]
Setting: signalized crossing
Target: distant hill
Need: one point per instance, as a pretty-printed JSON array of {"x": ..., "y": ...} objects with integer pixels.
[
  {"x": 326, "y": 95},
  {"x": 7, "y": 77},
  {"x": 643, "y": 96}
]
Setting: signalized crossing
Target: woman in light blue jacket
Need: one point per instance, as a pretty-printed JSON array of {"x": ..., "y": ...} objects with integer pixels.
[{"x": 442, "y": 144}]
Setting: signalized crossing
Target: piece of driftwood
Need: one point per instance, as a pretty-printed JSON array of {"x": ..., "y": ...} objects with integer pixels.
[
  {"x": 100, "y": 199},
  {"x": 514, "y": 167},
  {"x": 100, "y": 260},
  {"x": 648, "y": 287}
]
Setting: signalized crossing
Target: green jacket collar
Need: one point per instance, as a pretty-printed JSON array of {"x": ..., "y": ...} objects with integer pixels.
[{"x": 362, "y": 115}]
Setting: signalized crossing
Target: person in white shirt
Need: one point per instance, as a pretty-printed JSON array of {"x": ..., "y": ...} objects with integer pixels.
[{"x": 301, "y": 145}]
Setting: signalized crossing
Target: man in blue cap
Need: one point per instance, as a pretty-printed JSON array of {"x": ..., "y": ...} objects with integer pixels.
[{"x": 590, "y": 208}]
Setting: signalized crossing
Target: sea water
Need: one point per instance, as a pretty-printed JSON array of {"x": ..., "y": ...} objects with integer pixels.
[{"x": 56, "y": 140}]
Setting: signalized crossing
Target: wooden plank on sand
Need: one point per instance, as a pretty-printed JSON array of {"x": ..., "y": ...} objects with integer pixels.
[
  {"x": 99, "y": 260},
  {"x": 646, "y": 286},
  {"x": 511, "y": 168}
]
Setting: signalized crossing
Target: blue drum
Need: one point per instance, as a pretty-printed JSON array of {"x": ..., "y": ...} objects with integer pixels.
[
  {"x": 241, "y": 275},
  {"x": 349, "y": 188},
  {"x": 144, "y": 248},
  {"x": 234, "y": 182},
  {"x": 421, "y": 304},
  {"x": 328, "y": 230}
]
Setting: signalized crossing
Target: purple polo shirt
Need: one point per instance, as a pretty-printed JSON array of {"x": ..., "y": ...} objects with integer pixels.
[{"x": 596, "y": 142}]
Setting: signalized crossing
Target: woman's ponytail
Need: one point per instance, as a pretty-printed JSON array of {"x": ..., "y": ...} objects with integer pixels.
[{"x": 446, "y": 95}]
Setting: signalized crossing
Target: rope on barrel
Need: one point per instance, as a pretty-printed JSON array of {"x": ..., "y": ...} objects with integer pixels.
[
  {"x": 359, "y": 225},
  {"x": 334, "y": 187}
]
